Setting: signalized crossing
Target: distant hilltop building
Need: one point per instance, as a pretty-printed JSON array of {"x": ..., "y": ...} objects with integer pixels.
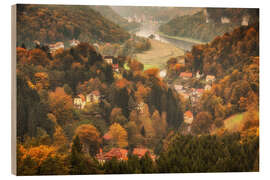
[
  {"x": 245, "y": 21},
  {"x": 225, "y": 20}
]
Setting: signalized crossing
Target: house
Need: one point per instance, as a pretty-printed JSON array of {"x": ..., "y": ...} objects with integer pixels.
[
  {"x": 207, "y": 87},
  {"x": 107, "y": 136},
  {"x": 140, "y": 152},
  {"x": 245, "y": 21},
  {"x": 109, "y": 59},
  {"x": 181, "y": 60},
  {"x": 225, "y": 20},
  {"x": 188, "y": 117},
  {"x": 56, "y": 46},
  {"x": 185, "y": 75},
  {"x": 74, "y": 43},
  {"x": 79, "y": 101},
  {"x": 198, "y": 75},
  {"x": 140, "y": 107},
  {"x": 119, "y": 153},
  {"x": 93, "y": 97},
  {"x": 210, "y": 78},
  {"x": 115, "y": 67}
]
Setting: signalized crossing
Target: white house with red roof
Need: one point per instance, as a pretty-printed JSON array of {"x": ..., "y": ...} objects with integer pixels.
[
  {"x": 185, "y": 75},
  {"x": 188, "y": 117},
  {"x": 79, "y": 101},
  {"x": 93, "y": 97}
]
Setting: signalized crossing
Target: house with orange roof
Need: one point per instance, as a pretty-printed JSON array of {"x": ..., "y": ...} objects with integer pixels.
[
  {"x": 118, "y": 153},
  {"x": 107, "y": 136},
  {"x": 79, "y": 101},
  {"x": 56, "y": 46},
  {"x": 93, "y": 97},
  {"x": 140, "y": 152},
  {"x": 188, "y": 117},
  {"x": 210, "y": 78},
  {"x": 185, "y": 75}
]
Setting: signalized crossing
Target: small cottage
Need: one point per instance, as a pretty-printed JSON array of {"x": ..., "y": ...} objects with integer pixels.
[
  {"x": 210, "y": 78},
  {"x": 108, "y": 59},
  {"x": 79, "y": 101},
  {"x": 188, "y": 117},
  {"x": 56, "y": 46},
  {"x": 185, "y": 75},
  {"x": 140, "y": 152},
  {"x": 93, "y": 97}
]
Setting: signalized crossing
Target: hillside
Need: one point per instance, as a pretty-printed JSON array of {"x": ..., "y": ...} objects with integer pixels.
[
  {"x": 208, "y": 24},
  {"x": 52, "y": 23},
  {"x": 233, "y": 59},
  {"x": 156, "y": 13},
  {"x": 110, "y": 14}
]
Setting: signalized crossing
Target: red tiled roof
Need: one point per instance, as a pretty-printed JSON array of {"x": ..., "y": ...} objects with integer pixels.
[
  {"x": 107, "y": 136},
  {"x": 118, "y": 153},
  {"x": 210, "y": 77},
  {"x": 185, "y": 74},
  {"x": 140, "y": 152},
  {"x": 82, "y": 97},
  {"x": 189, "y": 114}
]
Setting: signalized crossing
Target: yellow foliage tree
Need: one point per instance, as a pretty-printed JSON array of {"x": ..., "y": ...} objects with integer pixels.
[{"x": 119, "y": 135}]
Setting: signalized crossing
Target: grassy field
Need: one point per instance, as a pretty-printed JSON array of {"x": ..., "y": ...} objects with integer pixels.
[
  {"x": 158, "y": 55},
  {"x": 181, "y": 38},
  {"x": 231, "y": 124}
]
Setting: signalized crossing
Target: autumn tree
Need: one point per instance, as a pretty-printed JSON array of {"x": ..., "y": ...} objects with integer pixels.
[
  {"x": 119, "y": 135},
  {"x": 61, "y": 105},
  {"x": 202, "y": 123},
  {"x": 90, "y": 138},
  {"x": 117, "y": 116}
]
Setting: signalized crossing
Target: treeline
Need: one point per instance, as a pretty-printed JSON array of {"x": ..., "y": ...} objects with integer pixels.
[
  {"x": 128, "y": 48},
  {"x": 205, "y": 27},
  {"x": 52, "y": 23},
  {"x": 184, "y": 154}
]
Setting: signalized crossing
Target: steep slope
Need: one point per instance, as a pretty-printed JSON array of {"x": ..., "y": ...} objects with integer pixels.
[
  {"x": 51, "y": 23},
  {"x": 209, "y": 23},
  {"x": 110, "y": 14},
  {"x": 157, "y": 13}
]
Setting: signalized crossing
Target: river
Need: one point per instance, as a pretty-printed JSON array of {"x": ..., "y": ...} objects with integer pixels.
[{"x": 149, "y": 28}]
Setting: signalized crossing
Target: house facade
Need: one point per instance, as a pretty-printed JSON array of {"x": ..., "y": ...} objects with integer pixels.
[
  {"x": 188, "y": 117},
  {"x": 56, "y": 46},
  {"x": 93, "y": 97},
  {"x": 79, "y": 101}
]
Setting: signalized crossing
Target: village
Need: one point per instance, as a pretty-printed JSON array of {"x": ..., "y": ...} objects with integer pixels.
[{"x": 182, "y": 84}]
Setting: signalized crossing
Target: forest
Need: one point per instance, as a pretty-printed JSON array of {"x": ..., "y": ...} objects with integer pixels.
[
  {"x": 49, "y": 24},
  {"x": 206, "y": 25},
  {"x": 89, "y": 109}
]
